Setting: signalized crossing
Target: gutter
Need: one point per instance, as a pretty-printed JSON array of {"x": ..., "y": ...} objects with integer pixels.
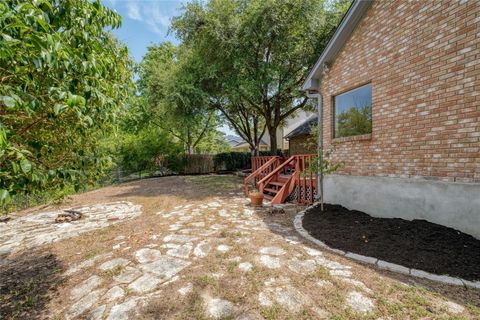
[{"x": 318, "y": 96}]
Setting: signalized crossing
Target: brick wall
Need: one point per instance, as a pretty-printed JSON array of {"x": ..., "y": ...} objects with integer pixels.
[
  {"x": 301, "y": 145},
  {"x": 423, "y": 60}
]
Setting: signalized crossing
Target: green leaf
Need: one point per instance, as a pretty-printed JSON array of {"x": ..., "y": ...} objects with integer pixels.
[
  {"x": 42, "y": 47},
  {"x": 4, "y": 196},
  {"x": 37, "y": 62},
  {"x": 59, "y": 107},
  {"x": 88, "y": 120},
  {"x": 26, "y": 166},
  {"x": 43, "y": 24},
  {"x": 9, "y": 102},
  {"x": 75, "y": 100}
]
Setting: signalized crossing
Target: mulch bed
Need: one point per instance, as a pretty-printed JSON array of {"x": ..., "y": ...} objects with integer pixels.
[{"x": 415, "y": 244}]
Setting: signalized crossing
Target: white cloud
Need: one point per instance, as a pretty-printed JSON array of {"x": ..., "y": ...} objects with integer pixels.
[
  {"x": 157, "y": 19},
  {"x": 156, "y": 14},
  {"x": 133, "y": 10},
  {"x": 160, "y": 17}
]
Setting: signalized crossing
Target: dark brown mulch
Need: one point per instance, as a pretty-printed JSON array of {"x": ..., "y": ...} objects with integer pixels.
[{"x": 415, "y": 244}]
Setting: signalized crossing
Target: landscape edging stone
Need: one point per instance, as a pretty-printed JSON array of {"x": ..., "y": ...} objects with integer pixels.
[{"x": 297, "y": 223}]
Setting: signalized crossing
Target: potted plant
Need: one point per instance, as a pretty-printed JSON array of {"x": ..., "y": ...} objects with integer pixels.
[{"x": 256, "y": 198}]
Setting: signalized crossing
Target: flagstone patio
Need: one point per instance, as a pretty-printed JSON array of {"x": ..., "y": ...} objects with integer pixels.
[{"x": 215, "y": 258}]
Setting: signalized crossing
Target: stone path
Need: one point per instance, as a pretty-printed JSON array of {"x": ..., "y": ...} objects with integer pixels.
[
  {"x": 38, "y": 229},
  {"x": 191, "y": 237},
  {"x": 226, "y": 233}
]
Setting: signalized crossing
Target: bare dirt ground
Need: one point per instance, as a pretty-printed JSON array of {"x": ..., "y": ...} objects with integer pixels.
[{"x": 199, "y": 251}]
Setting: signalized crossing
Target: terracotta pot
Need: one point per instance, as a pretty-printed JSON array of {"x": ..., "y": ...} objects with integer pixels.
[{"x": 256, "y": 199}]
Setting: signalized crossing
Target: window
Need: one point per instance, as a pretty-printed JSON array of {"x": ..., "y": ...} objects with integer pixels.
[{"x": 353, "y": 112}]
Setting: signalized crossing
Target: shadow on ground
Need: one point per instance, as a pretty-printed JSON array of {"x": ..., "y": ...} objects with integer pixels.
[{"x": 27, "y": 283}]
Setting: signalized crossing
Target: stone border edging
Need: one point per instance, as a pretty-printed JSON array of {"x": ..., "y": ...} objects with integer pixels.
[{"x": 297, "y": 222}]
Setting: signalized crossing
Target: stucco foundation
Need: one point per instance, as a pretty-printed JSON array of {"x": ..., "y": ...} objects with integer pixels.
[{"x": 452, "y": 204}]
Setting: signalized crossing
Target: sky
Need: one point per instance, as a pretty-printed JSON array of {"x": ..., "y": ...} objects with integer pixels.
[{"x": 146, "y": 22}]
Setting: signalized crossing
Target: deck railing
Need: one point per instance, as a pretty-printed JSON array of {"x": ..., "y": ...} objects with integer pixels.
[
  {"x": 261, "y": 167},
  {"x": 257, "y": 162},
  {"x": 306, "y": 178},
  {"x": 299, "y": 170}
]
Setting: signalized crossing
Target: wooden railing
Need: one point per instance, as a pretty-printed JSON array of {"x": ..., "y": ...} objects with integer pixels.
[
  {"x": 297, "y": 173},
  {"x": 306, "y": 178},
  {"x": 257, "y": 162},
  {"x": 261, "y": 167},
  {"x": 274, "y": 174}
]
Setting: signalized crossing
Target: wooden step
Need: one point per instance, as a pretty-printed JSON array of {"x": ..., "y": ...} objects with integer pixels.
[
  {"x": 270, "y": 190},
  {"x": 277, "y": 183},
  {"x": 268, "y": 197},
  {"x": 283, "y": 178}
]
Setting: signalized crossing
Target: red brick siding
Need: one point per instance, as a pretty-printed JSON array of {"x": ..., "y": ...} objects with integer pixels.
[
  {"x": 301, "y": 145},
  {"x": 423, "y": 60}
]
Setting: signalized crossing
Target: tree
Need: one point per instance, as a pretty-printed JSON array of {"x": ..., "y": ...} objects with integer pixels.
[
  {"x": 258, "y": 51},
  {"x": 139, "y": 143},
  {"x": 246, "y": 124},
  {"x": 63, "y": 79},
  {"x": 323, "y": 163},
  {"x": 354, "y": 121},
  {"x": 173, "y": 101}
]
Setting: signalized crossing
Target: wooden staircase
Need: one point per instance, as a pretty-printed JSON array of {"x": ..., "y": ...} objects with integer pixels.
[
  {"x": 278, "y": 177},
  {"x": 274, "y": 187}
]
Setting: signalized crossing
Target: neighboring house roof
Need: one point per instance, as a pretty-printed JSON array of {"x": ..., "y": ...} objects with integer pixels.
[
  {"x": 303, "y": 129},
  {"x": 342, "y": 34},
  {"x": 233, "y": 140},
  {"x": 246, "y": 145}
]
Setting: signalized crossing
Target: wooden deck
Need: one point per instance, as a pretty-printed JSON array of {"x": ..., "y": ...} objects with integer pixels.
[{"x": 283, "y": 179}]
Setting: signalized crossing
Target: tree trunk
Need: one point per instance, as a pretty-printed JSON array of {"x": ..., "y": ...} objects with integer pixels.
[{"x": 273, "y": 140}]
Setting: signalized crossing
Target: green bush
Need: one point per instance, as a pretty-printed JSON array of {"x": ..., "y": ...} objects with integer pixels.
[
  {"x": 231, "y": 161},
  {"x": 269, "y": 153},
  {"x": 143, "y": 150}
]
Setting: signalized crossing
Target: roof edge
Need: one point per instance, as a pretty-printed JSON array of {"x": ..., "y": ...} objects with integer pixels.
[
  {"x": 295, "y": 132},
  {"x": 344, "y": 30}
]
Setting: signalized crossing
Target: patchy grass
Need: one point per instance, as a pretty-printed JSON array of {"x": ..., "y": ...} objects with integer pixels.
[
  {"x": 216, "y": 183},
  {"x": 89, "y": 255},
  {"x": 114, "y": 271},
  {"x": 188, "y": 308},
  {"x": 232, "y": 267},
  {"x": 271, "y": 313},
  {"x": 205, "y": 281},
  {"x": 215, "y": 275}
]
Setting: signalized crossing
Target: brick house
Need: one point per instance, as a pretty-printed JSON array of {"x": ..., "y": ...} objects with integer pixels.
[
  {"x": 300, "y": 139},
  {"x": 399, "y": 89}
]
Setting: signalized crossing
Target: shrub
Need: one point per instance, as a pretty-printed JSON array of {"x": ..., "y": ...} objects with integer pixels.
[{"x": 231, "y": 161}]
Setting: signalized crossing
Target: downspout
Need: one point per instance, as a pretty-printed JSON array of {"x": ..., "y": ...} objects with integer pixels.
[{"x": 318, "y": 96}]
